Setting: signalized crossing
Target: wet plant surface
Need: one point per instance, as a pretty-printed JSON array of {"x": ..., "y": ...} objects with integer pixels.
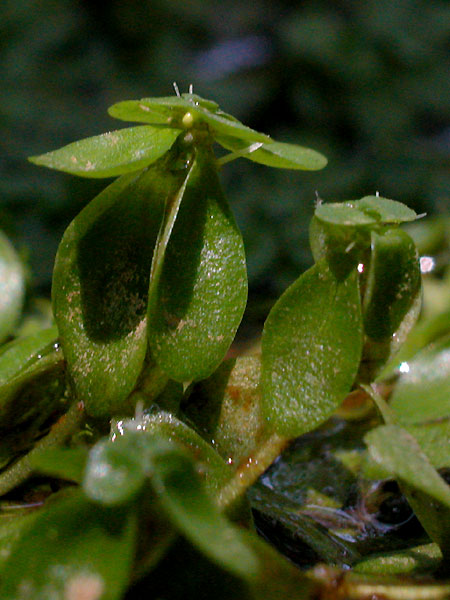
[{"x": 140, "y": 460}]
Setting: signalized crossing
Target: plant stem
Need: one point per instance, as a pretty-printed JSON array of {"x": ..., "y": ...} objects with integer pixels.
[
  {"x": 19, "y": 471},
  {"x": 248, "y": 473}
]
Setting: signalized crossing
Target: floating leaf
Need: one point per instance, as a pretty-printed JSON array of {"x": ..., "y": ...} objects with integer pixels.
[
  {"x": 393, "y": 282},
  {"x": 311, "y": 349},
  {"x": 276, "y": 154},
  {"x": 198, "y": 288},
  {"x": 370, "y": 210},
  {"x": 111, "y": 154},
  {"x": 12, "y": 287},
  {"x": 100, "y": 286},
  {"x": 72, "y": 549},
  {"x": 172, "y": 111}
]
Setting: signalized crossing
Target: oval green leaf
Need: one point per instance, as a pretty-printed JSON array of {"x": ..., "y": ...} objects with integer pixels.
[
  {"x": 276, "y": 154},
  {"x": 370, "y": 210},
  {"x": 198, "y": 288},
  {"x": 71, "y": 550},
  {"x": 311, "y": 348},
  {"x": 393, "y": 282},
  {"x": 111, "y": 154},
  {"x": 100, "y": 287},
  {"x": 12, "y": 286}
]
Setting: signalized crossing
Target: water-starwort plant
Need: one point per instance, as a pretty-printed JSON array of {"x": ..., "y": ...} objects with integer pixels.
[{"x": 132, "y": 448}]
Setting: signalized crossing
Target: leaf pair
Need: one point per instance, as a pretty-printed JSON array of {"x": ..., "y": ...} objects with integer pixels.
[
  {"x": 127, "y": 150},
  {"x": 312, "y": 341},
  {"x": 179, "y": 219}
]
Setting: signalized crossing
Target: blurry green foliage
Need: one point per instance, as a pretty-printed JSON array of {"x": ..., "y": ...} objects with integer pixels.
[{"x": 365, "y": 83}]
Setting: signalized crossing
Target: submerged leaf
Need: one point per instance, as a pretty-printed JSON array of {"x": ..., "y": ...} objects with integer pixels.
[
  {"x": 111, "y": 154},
  {"x": 100, "y": 286},
  {"x": 311, "y": 349},
  {"x": 12, "y": 287},
  {"x": 198, "y": 288}
]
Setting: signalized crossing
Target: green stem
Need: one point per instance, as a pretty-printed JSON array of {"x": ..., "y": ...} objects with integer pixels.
[
  {"x": 19, "y": 471},
  {"x": 248, "y": 473},
  {"x": 385, "y": 410}
]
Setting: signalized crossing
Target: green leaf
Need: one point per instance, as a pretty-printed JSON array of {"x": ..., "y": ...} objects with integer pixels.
[
  {"x": 64, "y": 463},
  {"x": 198, "y": 288},
  {"x": 422, "y": 392},
  {"x": 100, "y": 286},
  {"x": 172, "y": 110},
  {"x": 226, "y": 409},
  {"x": 21, "y": 353},
  {"x": 399, "y": 454},
  {"x": 11, "y": 530},
  {"x": 311, "y": 348},
  {"x": 116, "y": 471},
  {"x": 73, "y": 549},
  {"x": 276, "y": 154},
  {"x": 393, "y": 283},
  {"x": 111, "y": 154},
  {"x": 195, "y": 515},
  {"x": 213, "y": 470},
  {"x": 370, "y": 210},
  {"x": 35, "y": 360},
  {"x": 425, "y": 558},
  {"x": 12, "y": 286}
]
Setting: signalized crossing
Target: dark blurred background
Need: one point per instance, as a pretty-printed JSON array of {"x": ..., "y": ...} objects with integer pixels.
[{"x": 366, "y": 83}]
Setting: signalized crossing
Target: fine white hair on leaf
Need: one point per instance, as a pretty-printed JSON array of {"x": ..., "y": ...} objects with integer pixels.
[{"x": 175, "y": 87}]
